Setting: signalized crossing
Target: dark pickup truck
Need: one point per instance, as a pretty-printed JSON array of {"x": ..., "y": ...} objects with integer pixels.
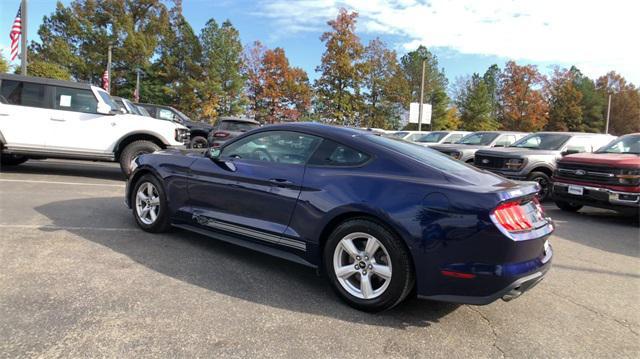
[
  {"x": 465, "y": 149},
  {"x": 608, "y": 178},
  {"x": 199, "y": 130},
  {"x": 533, "y": 158}
]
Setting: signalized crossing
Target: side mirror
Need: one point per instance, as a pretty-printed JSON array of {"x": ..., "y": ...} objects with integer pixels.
[
  {"x": 104, "y": 109},
  {"x": 213, "y": 153},
  {"x": 569, "y": 151}
]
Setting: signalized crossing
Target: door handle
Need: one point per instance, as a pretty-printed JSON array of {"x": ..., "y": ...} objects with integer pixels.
[
  {"x": 57, "y": 119},
  {"x": 280, "y": 182}
]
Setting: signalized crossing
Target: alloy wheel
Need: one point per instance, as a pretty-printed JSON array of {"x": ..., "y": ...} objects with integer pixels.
[
  {"x": 362, "y": 265},
  {"x": 147, "y": 203}
]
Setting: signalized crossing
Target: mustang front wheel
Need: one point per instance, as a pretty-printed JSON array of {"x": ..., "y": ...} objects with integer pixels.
[{"x": 150, "y": 205}]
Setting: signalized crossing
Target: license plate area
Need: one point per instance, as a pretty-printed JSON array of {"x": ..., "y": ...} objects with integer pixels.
[{"x": 576, "y": 190}]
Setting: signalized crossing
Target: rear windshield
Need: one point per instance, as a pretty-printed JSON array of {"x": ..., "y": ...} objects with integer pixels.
[
  {"x": 542, "y": 141},
  {"x": 422, "y": 154},
  {"x": 479, "y": 138},
  {"x": 238, "y": 126},
  {"x": 433, "y": 137}
]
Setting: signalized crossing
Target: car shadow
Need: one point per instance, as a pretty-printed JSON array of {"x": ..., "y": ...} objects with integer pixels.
[
  {"x": 225, "y": 268},
  {"x": 68, "y": 169},
  {"x": 601, "y": 229}
]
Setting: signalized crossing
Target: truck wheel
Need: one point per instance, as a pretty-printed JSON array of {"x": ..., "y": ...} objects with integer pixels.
[
  {"x": 133, "y": 150},
  {"x": 568, "y": 206},
  {"x": 199, "y": 142},
  {"x": 544, "y": 182},
  {"x": 11, "y": 160}
]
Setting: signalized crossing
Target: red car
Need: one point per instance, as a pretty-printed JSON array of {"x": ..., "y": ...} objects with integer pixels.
[{"x": 608, "y": 178}]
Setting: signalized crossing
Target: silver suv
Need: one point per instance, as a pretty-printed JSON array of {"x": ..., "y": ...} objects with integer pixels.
[
  {"x": 533, "y": 158},
  {"x": 465, "y": 149}
]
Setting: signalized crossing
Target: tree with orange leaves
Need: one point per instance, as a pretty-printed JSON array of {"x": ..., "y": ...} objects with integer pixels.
[{"x": 522, "y": 104}]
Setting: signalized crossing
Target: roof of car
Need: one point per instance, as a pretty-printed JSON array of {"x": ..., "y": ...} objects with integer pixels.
[
  {"x": 573, "y": 133},
  {"x": 238, "y": 119},
  {"x": 46, "y": 81}
]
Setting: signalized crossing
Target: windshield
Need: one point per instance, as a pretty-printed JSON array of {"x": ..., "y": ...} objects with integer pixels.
[
  {"x": 479, "y": 138},
  {"x": 626, "y": 144},
  {"x": 108, "y": 100},
  {"x": 423, "y": 154},
  {"x": 182, "y": 115},
  {"x": 238, "y": 126},
  {"x": 134, "y": 109},
  {"x": 143, "y": 111},
  {"x": 399, "y": 134},
  {"x": 542, "y": 141},
  {"x": 433, "y": 137}
]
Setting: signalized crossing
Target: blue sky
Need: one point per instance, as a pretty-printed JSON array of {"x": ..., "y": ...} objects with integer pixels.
[{"x": 466, "y": 35}]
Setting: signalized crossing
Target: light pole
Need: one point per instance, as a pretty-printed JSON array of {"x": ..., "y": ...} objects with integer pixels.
[
  {"x": 109, "y": 69},
  {"x": 424, "y": 60},
  {"x": 606, "y": 128}
]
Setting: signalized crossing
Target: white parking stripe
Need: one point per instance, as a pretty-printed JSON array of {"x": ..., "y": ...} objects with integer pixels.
[
  {"x": 66, "y": 228},
  {"x": 63, "y": 183}
]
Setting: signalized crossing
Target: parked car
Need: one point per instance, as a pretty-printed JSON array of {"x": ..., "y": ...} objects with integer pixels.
[
  {"x": 228, "y": 128},
  {"x": 380, "y": 216},
  {"x": 441, "y": 137},
  {"x": 533, "y": 158},
  {"x": 408, "y": 135},
  {"x": 465, "y": 149},
  {"x": 43, "y": 118},
  {"x": 199, "y": 130},
  {"x": 608, "y": 178}
]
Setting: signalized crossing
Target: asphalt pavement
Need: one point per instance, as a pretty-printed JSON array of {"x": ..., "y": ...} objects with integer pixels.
[{"x": 79, "y": 279}]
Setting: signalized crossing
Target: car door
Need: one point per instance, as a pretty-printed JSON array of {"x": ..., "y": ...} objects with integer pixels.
[
  {"x": 253, "y": 187},
  {"x": 75, "y": 124},
  {"x": 24, "y": 114}
]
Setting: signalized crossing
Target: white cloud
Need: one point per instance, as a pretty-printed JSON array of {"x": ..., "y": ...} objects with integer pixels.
[{"x": 597, "y": 36}]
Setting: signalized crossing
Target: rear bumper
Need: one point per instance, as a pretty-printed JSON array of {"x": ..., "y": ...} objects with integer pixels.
[{"x": 598, "y": 197}]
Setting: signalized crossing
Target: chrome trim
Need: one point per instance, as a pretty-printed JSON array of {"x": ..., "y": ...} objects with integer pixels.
[
  {"x": 614, "y": 196},
  {"x": 266, "y": 237}
]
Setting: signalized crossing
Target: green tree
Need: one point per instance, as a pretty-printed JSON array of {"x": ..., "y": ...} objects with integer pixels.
[
  {"x": 386, "y": 86},
  {"x": 76, "y": 37},
  {"x": 492, "y": 79},
  {"x": 175, "y": 76},
  {"x": 4, "y": 65},
  {"x": 565, "y": 111},
  {"x": 474, "y": 103},
  {"x": 41, "y": 68},
  {"x": 435, "y": 83},
  {"x": 222, "y": 87},
  {"x": 593, "y": 103},
  {"x": 338, "y": 87}
]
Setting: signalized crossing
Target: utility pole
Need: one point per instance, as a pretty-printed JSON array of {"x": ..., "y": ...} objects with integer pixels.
[
  {"x": 109, "y": 69},
  {"x": 606, "y": 129},
  {"x": 136, "y": 96},
  {"x": 421, "y": 96},
  {"x": 23, "y": 38}
]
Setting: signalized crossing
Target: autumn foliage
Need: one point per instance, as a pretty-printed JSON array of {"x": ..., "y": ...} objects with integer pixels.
[{"x": 522, "y": 104}]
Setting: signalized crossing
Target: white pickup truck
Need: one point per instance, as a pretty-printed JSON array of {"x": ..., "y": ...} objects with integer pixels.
[{"x": 45, "y": 118}]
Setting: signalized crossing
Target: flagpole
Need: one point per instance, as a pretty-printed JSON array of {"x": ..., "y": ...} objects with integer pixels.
[
  {"x": 109, "y": 68},
  {"x": 23, "y": 38}
]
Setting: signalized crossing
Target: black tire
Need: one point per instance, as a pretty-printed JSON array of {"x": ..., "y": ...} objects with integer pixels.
[
  {"x": 402, "y": 274},
  {"x": 162, "y": 222},
  {"x": 11, "y": 160},
  {"x": 545, "y": 184},
  {"x": 199, "y": 142},
  {"x": 133, "y": 150},
  {"x": 568, "y": 206}
]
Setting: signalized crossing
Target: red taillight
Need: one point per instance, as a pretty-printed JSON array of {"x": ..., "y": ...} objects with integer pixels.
[
  {"x": 460, "y": 275},
  {"x": 512, "y": 217},
  {"x": 221, "y": 134}
]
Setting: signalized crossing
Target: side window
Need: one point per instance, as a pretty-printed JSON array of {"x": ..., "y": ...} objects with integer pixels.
[
  {"x": 335, "y": 154},
  {"x": 165, "y": 114},
  {"x": 453, "y": 138},
  {"x": 24, "y": 94},
  {"x": 505, "y": 140},
  {"x": 77, "y": 100},
  {"x": 579, "y": 144},
  {"x": 274, "y": 146}
]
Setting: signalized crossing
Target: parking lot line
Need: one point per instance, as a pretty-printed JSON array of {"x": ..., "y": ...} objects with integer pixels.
[
  {"x": 63, "y": 183},
  {"x": 66, "y": 228}
]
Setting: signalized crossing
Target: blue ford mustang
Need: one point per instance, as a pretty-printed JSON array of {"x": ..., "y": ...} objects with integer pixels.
[{"x": 380, "y": 217}]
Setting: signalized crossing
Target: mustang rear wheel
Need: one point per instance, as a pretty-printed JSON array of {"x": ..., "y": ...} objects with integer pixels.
[
  {"x": 368, "y": 266},
  {"x": 149, "y": 205}
]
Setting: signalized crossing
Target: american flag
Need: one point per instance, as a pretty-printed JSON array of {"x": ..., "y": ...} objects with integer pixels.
[
  {"x": 14, "y": 35},
  {"x": 105, "y": 80}
]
